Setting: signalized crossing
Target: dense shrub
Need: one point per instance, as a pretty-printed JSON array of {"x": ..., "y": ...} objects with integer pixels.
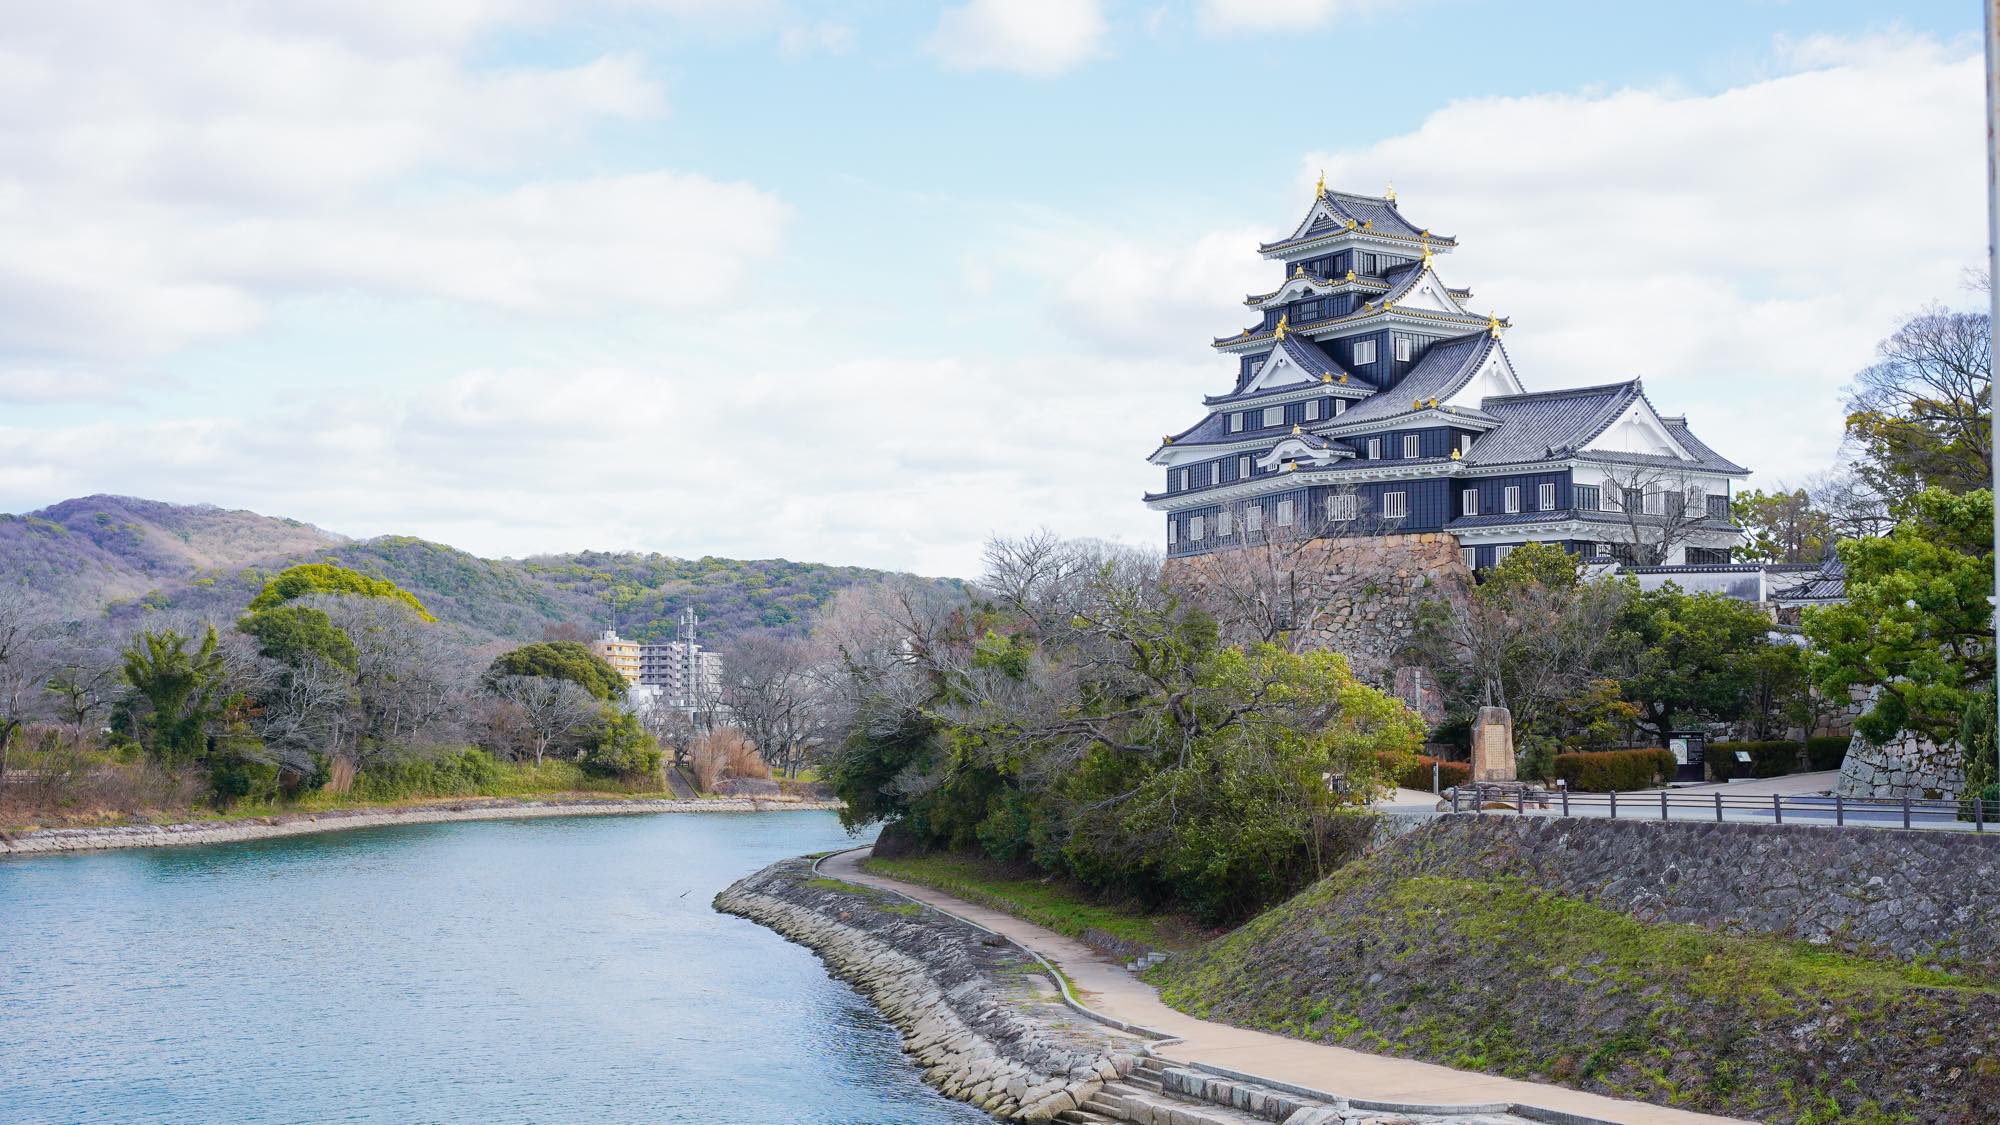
[
  {"x": 1418, "y": 775},
  {"x": 1826, "y": 752},
  {"x": 623, "y": 750},
  {"x": 459, "y": 774},
  {"x": 1767, "y": 759},
  {"x": 1608, "y": 770}
]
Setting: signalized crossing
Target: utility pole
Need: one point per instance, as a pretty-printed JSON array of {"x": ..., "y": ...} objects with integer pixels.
[{"x": 1993, "y": 269}]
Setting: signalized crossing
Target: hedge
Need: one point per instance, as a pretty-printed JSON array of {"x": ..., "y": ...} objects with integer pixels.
[
  {"x": 1826, "y": 751},
  {"x": 1448, "y": 774},
  {"x": 1608, "y": 770},
  {"x": 1774, "y": 758}
]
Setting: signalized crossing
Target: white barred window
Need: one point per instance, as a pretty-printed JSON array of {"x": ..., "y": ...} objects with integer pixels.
[
  {"x": 1469, "y": 502},
  {"x": 1343, "y": 506},
  {"x": 1194, "y": 528},
  {"x": 1374, "y": 449},
  {"x": 1236, "y": 423},
  {"x": 1173, "y": 532},
  {"x": 1312, "y": 410},
  {"x": 1284, "y": 513},
  {"x": 1469, "y": 556},
  {"x": 1545, "y": 497},
  {"x": 1224, "y": 523},
  {"x": 1411, "y": 445},
  {"x": 1340, "y": 406},
  {"x": 1253, "y": 519},
  {"x": 1184, "y": 480},
  {"x": 1214, "y": 472},
  {"x": 1395, "y": 505},
  {"x": 1243, "y": 467},
  {"x": 1364, "y": 352},
  {"x": 1512, "y": 498},
  {"x": 1274, "y": 416}
]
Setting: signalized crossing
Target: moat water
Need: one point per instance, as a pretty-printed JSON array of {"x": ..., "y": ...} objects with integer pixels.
[{"x": 533, "y": 970}]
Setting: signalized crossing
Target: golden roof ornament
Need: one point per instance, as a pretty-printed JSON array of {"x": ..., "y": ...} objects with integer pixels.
[
  {"x": 1167, "y": 440},
  {"x": 1343, "y": 376},
  {"x": 1288, "y": 466},
  {"x": 1432, "y": 402},
  {"x": 1416, "y": 404},
  {"x": 1454, "y": 454},
  {"x": 1295, "y": 428},
  {"x": 1284, "y": 324},
  {"x": 1319, "y": 189},
  {"x": 1350, "y": 275},
  {"x": 1326, "y": 376},
  {"x": 1389, "y": 193},
  {"x": 1427, "y": 249},
  {"x": 1350, "y": 224},
  {"x": 1493, "y": 325}
]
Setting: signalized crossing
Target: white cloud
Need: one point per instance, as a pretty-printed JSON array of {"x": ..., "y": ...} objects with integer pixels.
[
  {"x": 179, "y": 171},
  {"x": 1034, "y": 37},
  {"x": 774, "y": 460},
  {"x": 1274, "y": 15},
  {"x": 1127, "y": 295},
  {"x": 1742, "y": 250}
]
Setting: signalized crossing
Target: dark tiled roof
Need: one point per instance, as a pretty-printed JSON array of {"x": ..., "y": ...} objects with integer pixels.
[
  {"x": 1380, "y": 215},
  {"x": 1309, "y": 356},
  {"x": 1829, "y": 584},
  {"x": 1708, "y": 457},
  {"x": 1444, "y": 369},
  {"x": 1534, "y": 425}
]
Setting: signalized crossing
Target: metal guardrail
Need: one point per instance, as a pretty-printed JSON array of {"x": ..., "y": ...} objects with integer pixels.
[{"x": 1968, "y": 815}]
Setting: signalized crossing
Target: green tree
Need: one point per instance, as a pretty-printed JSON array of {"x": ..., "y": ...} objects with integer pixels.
[
  {"x": 293, "y": 634},
  {"x": 559, "y": 660},
  {"x": 621, "y": 748},
  {"x": 1781, "y": 526},
  {"x": 1916, "y": 623},
  {"x": 182, "y": 690},
  {"x": 305, "y": 579},
  {"x": 1691, "y": 656}
]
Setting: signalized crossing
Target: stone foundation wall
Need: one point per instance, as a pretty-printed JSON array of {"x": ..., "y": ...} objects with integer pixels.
[
  {"x": 1906, "y": 766},
  {"x": 975, "y": 1014},
  {"x": 1370, "y": 588},
  {"x": 1914, "y": 896}
]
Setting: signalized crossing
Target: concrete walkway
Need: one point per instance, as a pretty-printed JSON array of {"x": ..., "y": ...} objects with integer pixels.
[{"x": 1107, "y": 987}]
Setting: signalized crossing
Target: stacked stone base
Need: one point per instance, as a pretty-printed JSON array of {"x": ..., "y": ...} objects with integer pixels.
[
  {"x": 972, "y": 1014},
  {"x": 1906, "y": 766}
]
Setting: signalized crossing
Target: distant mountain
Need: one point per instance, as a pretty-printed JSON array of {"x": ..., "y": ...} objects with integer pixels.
[{"x": 126, "y": 557}]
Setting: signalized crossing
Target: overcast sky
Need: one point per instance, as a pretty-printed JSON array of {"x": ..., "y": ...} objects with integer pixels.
[{"x": 868, "y": 282}]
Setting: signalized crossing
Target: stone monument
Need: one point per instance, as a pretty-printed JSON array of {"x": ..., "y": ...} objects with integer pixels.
[{"x": 1493, "y": 746}]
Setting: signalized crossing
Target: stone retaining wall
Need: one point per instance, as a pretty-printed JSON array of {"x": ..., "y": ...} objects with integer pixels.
[
  {"x": 1908, "y": 895},
  {"x": 50, "y": 840},
  {"x": 973, "y": 1009}
]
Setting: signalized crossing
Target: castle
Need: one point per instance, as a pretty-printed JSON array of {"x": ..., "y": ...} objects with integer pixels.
[{"x": 1370, "y": 400}]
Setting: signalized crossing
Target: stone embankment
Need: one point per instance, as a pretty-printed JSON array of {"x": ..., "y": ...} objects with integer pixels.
[
  {"x": 51, "y": 840},
  {"x": 972, "y": 1008},
  {"x": 988, "y": 1028}
]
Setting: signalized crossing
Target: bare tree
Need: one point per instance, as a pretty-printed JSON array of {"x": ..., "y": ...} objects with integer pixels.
[
  {"x": 1924, "y": 409},
  {"x": 1283, "y": 582},
  {"x": 411, "y": 677},
  {"x": 1853, "y": 506},
  {"x": 555, "y": 713},
  {"x": 27, "y": 629},
  {"x": 773, "y": 694},
  {"x": 1661, "y": 507},
  {"x": 85, "y": 676}
]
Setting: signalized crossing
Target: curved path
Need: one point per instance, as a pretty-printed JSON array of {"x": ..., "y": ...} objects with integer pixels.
[{"x": 1107, "y": 987}]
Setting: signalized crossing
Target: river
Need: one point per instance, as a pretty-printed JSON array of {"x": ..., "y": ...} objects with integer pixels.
[{"x": 496, "y": 971}]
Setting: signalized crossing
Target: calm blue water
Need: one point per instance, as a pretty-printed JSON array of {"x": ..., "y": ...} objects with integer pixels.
[{"x": 534, "y": 970}]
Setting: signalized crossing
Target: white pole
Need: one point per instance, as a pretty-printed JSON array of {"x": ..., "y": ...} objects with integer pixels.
[{"x": 1993, "y": 268}]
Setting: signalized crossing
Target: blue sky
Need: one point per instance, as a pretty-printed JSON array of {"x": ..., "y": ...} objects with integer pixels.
[{"x": 869, "y": 282}]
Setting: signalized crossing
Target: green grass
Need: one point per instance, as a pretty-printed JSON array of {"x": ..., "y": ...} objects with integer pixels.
[
  {"x": 1051, "y": 903},
  {"x": 1500, "y": 976}
]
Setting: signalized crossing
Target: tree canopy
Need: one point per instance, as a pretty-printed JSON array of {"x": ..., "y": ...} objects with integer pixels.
[
  {"x": 1691, "y": 656},
  {"x": 304, "y": 579},
  {"x": 560, "y": 660},
  {"x": 1917, "y": 623}
]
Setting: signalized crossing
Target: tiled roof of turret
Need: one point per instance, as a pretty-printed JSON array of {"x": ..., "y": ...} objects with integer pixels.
[
  {"x": 1443, "y": 370},
  {"x": 1378, "y": 214},
  {"x": 1707, "y": 456},
  {"x": 1533, "y": 426}
]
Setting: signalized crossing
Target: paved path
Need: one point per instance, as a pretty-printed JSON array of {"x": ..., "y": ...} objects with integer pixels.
[{"x": 1108, "y": 988}]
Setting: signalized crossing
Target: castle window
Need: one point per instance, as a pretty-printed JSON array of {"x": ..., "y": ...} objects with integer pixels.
[
  {"x": 1194, "y": 528},
  {"x": 1632, "y": 499},
  {"x": 1374, "y": 449},
  {"x": 1364, "y": 352},
  {"x": 1470, "y": 557},
  {"x": 1243, "y": 467},
  {"x": 1470, "y": 500},
  {"x": 1173, "y": 532},
  {"x": 1511, "y": 498},
  {"x": 1312, "y": 410},
  {"x": 1501, "y": 553},
  {"x": 1236, "y": 423},
  {"x": 1464, "y": 444},
  {"x": 1340, "y": 406},
  {"x": 1284, "y": 513},
  {"x": 1343, "y": 506},
  {"x": 1224, "y": 524},
  {"x": 1395, "y": 505},
  {"x": 1253, "y": 519},
  {"x": 1546, "y": 497},
  {"x": 1184, "y": 480},
  {"x": 1410, "y": 445},
  {"x": 1274, "y": 416},
  {"x": 1214, "y": 473},
  {"x": 1402, "y": 349}
]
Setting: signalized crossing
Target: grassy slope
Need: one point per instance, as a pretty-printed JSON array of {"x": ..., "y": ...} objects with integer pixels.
[
  {"x": 1062, "y": 907},
  {"x": 1493, "y": 975}
]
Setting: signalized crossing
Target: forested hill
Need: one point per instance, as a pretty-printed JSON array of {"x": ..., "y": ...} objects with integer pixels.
[{"x": 125, "y": 557}]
